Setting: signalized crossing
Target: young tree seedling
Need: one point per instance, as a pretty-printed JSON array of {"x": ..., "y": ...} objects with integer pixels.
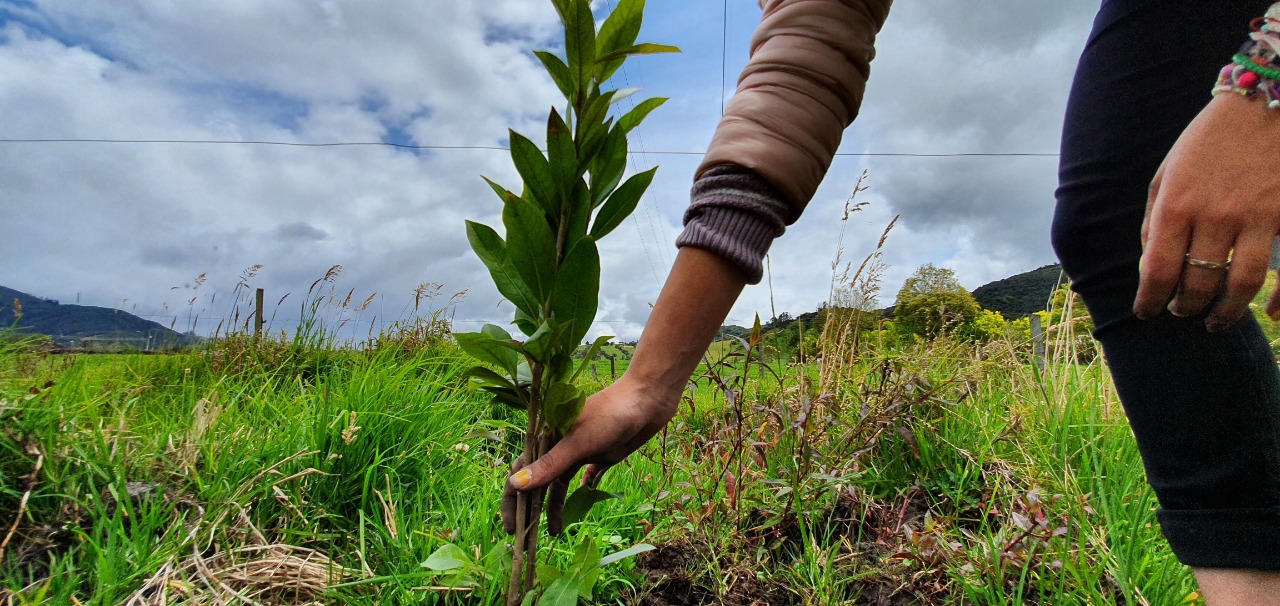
[{"x": 548, "y": 265}]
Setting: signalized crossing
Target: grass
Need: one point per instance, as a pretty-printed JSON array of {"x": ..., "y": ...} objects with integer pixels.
[{"x": 931, "y": 473}]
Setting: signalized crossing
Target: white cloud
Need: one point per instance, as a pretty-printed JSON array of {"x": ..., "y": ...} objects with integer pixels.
[{"x": 106, "y": 223}]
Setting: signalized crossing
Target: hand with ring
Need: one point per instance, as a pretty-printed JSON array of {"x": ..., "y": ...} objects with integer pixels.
[{"x": 1212, "y": 213}]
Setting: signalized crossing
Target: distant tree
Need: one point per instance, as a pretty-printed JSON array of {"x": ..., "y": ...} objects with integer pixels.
[
  {"x": 990, "y": 325},
  {"x": 1067, "y": 323},
  {"x": 1270, "y": 327},
  {"x": 932, "y": 300}
]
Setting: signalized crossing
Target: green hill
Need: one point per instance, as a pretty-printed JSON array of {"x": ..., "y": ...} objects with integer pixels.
[
  {"x": 81, "y": 325},
  {"x": 1020, "y": 295}
]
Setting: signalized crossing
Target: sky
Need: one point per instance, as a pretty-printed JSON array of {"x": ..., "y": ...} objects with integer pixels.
[{"x": 168, "y": 230}]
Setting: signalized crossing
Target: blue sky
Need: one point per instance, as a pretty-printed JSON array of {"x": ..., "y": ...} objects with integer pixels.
[{"x": 131, "y": 226}]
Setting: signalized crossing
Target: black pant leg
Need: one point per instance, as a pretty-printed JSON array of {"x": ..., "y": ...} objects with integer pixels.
[{"x": 1205, "y": 408}]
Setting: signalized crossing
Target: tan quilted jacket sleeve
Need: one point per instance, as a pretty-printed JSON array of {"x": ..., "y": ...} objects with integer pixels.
[{"x": 802, "y": 86}]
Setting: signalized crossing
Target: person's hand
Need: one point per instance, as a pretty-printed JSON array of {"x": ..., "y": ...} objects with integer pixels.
[
  {"x": 614, "y": 423},
  {"x": 1216, "y": 197}
]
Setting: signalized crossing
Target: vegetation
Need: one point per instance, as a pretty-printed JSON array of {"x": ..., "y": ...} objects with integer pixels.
[
  {"x": 931, "y": 301},
  {"x": 932, "y": 472},
  {"x": 878, "y": 467},
  {"x": 1020, "y": 295},
  {"x": 72, "y": 325},
  {"x": 549, "y": 268},
  {"x": 843, "y": 456}
]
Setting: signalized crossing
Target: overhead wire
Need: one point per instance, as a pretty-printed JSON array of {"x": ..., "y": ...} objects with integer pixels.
[
  {"x": 661, "y": 241},
  {"x": 500, "y": 148}
]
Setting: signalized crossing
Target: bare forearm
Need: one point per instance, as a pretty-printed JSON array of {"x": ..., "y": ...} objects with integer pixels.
[{"x": 697, "y": 296}]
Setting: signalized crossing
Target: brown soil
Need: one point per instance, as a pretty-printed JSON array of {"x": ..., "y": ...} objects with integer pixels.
[
  {"x": 669, "y": 571},
  {"x": 675, "y": 572}
]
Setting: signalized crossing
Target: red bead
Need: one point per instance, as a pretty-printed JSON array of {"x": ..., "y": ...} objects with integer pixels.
[{"x": 1248, "y": 80}]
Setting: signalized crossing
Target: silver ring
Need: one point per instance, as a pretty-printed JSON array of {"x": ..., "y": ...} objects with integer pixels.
[{"x": 1215, "y": 265}]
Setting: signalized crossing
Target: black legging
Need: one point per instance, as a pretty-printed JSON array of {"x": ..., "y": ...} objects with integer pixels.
[{"x": 1205, "y": 407}]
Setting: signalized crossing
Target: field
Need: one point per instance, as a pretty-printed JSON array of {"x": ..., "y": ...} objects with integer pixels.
[{"x": 291, "y": 472}]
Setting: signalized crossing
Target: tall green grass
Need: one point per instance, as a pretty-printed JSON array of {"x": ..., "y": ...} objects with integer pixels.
[{"x": 946, "y": 472}]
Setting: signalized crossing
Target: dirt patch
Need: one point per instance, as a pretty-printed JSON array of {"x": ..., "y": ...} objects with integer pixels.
[
  {"x": 880, "y": 546},
  {"x": 675, "y": 576}
]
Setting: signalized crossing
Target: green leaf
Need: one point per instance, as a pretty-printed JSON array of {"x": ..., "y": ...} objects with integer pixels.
[
  {"x": 608, "y": 167},
  {"x": 536, "y": 172},
  {"x": 498, "y": 560},
  {"x": 561, "y": 405},
  {"x": 591, "y": 119},
  {"x": 619, "y": 95},
  {"x": 526, "y": 323},
  {"x": 586, "y": 562},
  {"x": 580, "y": 40},
  {"x": 561, "y": 154},
  {"x": 639, "y": 49},
  {"x": 618, "y": 32},
  {"x": 560, "y": 365},
  {"x": 562, "y": 7},
  {"x": 560, "y": 73},
  {"x": 586, "y": 555},
  {"x": 492, "y": 251},
  {"x": 587, "y": 582},
  {"x": 633, "y": 118},
  {"x": 544, "y": 340},
  {"x": 504, "y": 194},
  {"x": 577, "y": 289},
  {"x": 487, "y": 349},
  {"x": 495, "y": 331},
  {"x": 562, "y": 592},
  {"x": 529, "y": 598},
  {"x": 515, "y": 398},
  {"x": 531, "y": 247},
  {"x": 524, "y": 374},
  {"x": 487, "y": 377},
  {"x": 547, "y": 574},
  {"x": 581, "y": 502},
  {"x": 592, "y": 140},
  {"x": 621, "y": 204},
  {"x": 447, "y": 557},
  {"x": 625, "y": 553},
  {"x": 579, "y": 213},
  {"x": 591, "y": 353}
]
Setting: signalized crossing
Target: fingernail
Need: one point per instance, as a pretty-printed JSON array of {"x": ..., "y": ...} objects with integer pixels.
[{"x": 521, "y": 478}]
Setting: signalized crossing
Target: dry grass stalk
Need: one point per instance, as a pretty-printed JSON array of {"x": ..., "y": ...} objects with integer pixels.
[
  {"x": 388, "y": 509},
  {"x": 260, "y": 572},
  {"x": 33, "y": 450}
]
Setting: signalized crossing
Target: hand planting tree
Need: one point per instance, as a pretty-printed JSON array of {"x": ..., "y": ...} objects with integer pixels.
[{"x": 548, "y": 266}]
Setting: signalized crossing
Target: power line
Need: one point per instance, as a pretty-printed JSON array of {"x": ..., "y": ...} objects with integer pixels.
[
  {"x": 724, "y": 54},
  {"x": 501, "y": 148}
]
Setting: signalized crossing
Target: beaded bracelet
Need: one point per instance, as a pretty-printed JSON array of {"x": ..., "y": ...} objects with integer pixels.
[
  {"x": 1253, "y": 71},
  {"x": 1238, "y": 79},
  {"x": 1264, "y": 42},
  {"x": 1248, "y": 63}
]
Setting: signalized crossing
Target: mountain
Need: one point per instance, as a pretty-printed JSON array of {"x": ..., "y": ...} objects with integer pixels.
[
  {"x": 1020, "y": 295},
  {"x": 82, "y": 325}
]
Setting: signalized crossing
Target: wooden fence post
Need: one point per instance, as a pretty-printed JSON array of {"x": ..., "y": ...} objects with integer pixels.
[
  {"x": 257, "y": 315},
  {"x": 1037, "y": 341}
]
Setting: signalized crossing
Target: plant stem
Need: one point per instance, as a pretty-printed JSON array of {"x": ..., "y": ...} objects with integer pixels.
[
  {"x": 514, "y": 586},
  {"x": 535, "y": 522},
  {"x": 528, "y": 504}
]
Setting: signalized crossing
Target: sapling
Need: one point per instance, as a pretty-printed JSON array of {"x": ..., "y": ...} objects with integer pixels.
[{"x": 548, "y": 266}]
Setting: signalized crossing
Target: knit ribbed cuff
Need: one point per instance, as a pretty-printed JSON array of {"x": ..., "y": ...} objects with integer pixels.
[{"x": 736, "y": 214}]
